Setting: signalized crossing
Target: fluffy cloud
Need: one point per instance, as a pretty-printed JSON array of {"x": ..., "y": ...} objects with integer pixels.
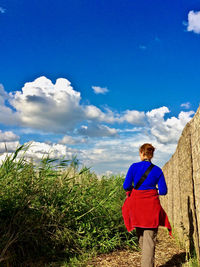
[
  {"x": 38, "y": 150},
  {"x": 100, "y": 90},
  {"x": 157, "y": 114},
  {"x": 167, "y": 131},
  {"x": 194, "y": 21},
  {"x": 133, "y": 117},
  {"x": 8, "y": 136},
  {"x": 8, "y": 141},
  {"x": 130, "y": 130},
  {"x": 8, "y": 147},
  {"x": 7, "y": 116},
  {"x": 69, "y": 140},
  {"x": 95, "y": 114},
  {"x": 52, "y": 107},
  {"x": 96, "y": 131},
  {"x": 48, "y": 107}
]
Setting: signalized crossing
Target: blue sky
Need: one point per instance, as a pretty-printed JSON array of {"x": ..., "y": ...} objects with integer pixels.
[{"x": 133, "y": 68}]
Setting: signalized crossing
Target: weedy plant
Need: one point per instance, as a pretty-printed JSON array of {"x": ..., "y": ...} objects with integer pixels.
[{"x": 52, "y": 212}]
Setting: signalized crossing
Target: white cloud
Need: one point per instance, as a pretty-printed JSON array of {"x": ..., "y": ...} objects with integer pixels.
[
  {"x": 7, "y": 116},
  {"x": 51, "y": 107},
  {"x": 130, "y": 130},
  {"x": 185, "y": 117},
  {"x": 194, "y": 21},
  {"x": 157, "y": 114},
  {"x": 167, "y": 131},
  {"x": 100, "y": 90},
  {"x": 95, "y": 114},
  {"x": 48, "y": 107},
  {"x": 8, "y": 146},
  {"x": 2, "y": 10},
  {"x": 8, "y": 136},
  {"x": 96, "y": 131},
  {"x": 133, "y": 117},
  {"x": 39, "y": 150},
  {"x": 186, "y": 105},
  {"x": 69, "y": 140},
  {"x": 8, "y": 141}
]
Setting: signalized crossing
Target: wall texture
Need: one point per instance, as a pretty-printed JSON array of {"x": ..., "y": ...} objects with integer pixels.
[{"x": 182, "y": 173}]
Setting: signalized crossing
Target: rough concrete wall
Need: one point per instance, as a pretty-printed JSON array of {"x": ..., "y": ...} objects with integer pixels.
[{"x": 182, "y": 173}]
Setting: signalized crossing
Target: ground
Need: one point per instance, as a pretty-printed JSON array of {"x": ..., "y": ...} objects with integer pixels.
[{"x": 168, "y": 253}]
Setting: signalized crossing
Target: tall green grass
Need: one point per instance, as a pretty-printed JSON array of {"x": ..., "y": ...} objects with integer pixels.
[{"x": 52, "y": 212}]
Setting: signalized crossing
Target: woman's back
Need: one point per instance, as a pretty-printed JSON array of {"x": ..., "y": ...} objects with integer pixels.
[{"x": 154, "y": 178}]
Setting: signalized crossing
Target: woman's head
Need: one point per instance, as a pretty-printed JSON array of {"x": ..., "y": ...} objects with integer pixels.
[{"x": 146, "y": 151}]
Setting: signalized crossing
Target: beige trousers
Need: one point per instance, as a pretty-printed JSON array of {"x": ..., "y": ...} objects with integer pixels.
[{"x": 147, "y": 242}]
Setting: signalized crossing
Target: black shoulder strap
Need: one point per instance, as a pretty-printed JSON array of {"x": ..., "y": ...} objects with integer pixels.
[{"x": 144, "y": 176}]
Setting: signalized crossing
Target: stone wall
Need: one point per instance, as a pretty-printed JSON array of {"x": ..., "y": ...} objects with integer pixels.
[{"x": 182, "y": 173}]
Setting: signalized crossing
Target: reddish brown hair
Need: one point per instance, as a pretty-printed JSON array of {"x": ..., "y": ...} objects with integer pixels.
[{"x": 147, "y": 150}]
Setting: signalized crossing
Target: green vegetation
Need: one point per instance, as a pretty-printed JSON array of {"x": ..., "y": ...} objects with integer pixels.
[
  {"x": 51, "y": 212},
  {"x": 192, "y": 260}
]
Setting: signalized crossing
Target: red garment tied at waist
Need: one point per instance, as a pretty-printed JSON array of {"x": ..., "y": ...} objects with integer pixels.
[{"x": 142, "y": 208}]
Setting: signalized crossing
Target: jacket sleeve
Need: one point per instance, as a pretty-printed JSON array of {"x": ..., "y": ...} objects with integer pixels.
[
  {"x": 162, "y": 186},
  {"x": 127, "y": 185}
]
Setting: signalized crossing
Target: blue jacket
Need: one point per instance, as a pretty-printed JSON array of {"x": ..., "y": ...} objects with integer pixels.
[{"x": 155, "y": 177}]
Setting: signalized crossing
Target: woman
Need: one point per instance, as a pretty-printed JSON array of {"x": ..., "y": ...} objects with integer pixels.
[{"x": 142, "y": 209}]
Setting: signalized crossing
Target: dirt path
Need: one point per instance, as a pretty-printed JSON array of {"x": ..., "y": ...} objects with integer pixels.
[{"x": 168, "y": 253}]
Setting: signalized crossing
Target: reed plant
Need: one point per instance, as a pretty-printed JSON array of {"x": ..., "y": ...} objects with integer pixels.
[{"x": 53, "y": 211}]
